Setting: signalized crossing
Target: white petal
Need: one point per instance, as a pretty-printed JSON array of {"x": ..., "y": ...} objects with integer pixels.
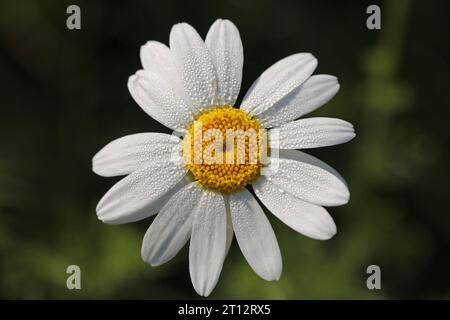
[
  {"x": 230, "y": 231},
  {"x": 148, "y": 210},
  {"x": 159, "y": 100},
  {"x": 314, "y": 93},
  {"x": 130, "y": 153},
  {"x": 278, "y": 81},
  {"x": 309, "y": 179},
  {"x": 172, "y": 227},
  {"x": 224, "y": 44},
  {"x": 312, "y": 133},
  {"x": 157, "y": 58},
  {"x": 194, "y": 64},
  {"x": 130, "y": 198},
  {"x": 307, "y": 158},
  {"x": 308, "y": 219},
  {"x": 255, "y": 236},
  {"x": 208, "y": 242}
]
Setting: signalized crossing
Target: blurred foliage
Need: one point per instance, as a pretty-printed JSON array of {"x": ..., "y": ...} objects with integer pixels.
[{"x": 64, "y": 96}]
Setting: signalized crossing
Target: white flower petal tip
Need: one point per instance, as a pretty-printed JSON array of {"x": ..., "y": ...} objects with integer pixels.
[
  {"x": 133, "y": 152},
  {"x": 194, "y": 65},
  {"x": 156, "y": 57},
  {"x": 314, "y": 93},
  {"x": 310, "y": 220},
  {"x": 277, "y": 82},
  {"x": 312, "y": 133},
  {"x": 330, "y": 235},
  {"x": 225, "y": 45},
  {"x": 255, "y": 236},
  {"x": 310, "y": 179},
  {"x": 132, "y": 198},
  {"x": 158, "y": 99}
]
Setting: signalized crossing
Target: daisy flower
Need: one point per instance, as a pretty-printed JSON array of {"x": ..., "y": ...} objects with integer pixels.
[{"x": 196, "y": 82}]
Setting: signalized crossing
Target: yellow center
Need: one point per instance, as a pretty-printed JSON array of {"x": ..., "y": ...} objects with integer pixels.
[{"x": 221, "y": 149}]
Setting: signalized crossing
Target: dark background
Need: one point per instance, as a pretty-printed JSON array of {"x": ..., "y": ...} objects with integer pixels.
[{"x": 64, "y": 96}]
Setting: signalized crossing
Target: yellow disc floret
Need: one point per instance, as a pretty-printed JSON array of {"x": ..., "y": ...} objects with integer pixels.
[{"x": 222, "y": 149}]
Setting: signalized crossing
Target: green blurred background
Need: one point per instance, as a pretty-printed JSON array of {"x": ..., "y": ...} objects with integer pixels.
[{"x": 64, "y": 96}]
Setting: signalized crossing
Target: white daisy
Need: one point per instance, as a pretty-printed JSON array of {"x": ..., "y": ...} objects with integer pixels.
[{"x": 197, "y": 81}]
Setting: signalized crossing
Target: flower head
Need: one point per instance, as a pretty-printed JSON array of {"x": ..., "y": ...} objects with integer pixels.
[{"x": 199, "y": 183}]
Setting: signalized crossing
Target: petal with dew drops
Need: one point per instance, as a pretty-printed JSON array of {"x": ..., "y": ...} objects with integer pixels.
[
  {"x": 130, "y": 197},
  {"x": 159, "y": 100},
  {"x": 308, "y": 219},
  {"x": 225, "y": 45},
  {"x": 278, "y": 81},
  {"x": 133, "y": 152},
  {"x": 255, "y": 236},
  {"x": 194, "y": 64},
  {"x": 309, "y": 179},
  {"x": 172, "y": 227},
  {"x": 312, "y": 133},
  {"x": 207, "y": 249},
  {"x": 314, "y": 93}
]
